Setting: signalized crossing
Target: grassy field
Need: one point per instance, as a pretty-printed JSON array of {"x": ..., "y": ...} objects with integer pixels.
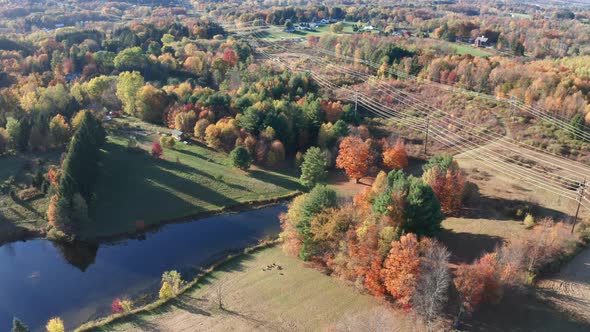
[
  {"x": 187, "y": 180},
  {"x": 16, "y": 216},
  {"x": 295, "y": 298},
  {"x": 278, "y": 33},
  {"x": 470, "y": 49}
]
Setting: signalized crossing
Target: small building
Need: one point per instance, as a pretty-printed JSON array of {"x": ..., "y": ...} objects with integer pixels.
[
  {"x": 481, "y": 41},
  {"x": 178, "y": 135}
]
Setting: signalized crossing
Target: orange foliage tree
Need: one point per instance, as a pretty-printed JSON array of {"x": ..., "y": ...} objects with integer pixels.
[
  {"x": 353, "y": 157},
  {"x": 396, "y": 157},
  {"x": 478, "y": 282},
  {"x": 446, "y": 178},
  {"x": 401, "y": 269}
]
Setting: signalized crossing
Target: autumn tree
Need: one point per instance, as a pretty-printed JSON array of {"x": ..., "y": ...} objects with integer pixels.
[
  {"x": 165, "y": 291},
  {"x": 401, "y": 269},
  {"x": 447, "y": 180},
  {"x": 55, "y": 325},
  {"x": 185, "y": 121},
  {"x": 299, "y": 217},
  {"x": 151, "y": 103},
  {"x": 157, "y": 150},
  {"x": 395, "y": 157},
  {"x": 127, "y": 88},
  {"x": 200, "y": 128},
  {"x": 478, "y": 282},
  {"x": 230, "y": 57},
  {"x": 353, "y": 157},
  {"x": 314, "y": 167},
  {"x": 59, "y": 129},
  {"x": 174, "y": 279}
]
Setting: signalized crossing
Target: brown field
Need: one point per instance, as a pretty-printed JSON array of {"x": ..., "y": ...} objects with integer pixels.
[{"x": 294, "y": 298}]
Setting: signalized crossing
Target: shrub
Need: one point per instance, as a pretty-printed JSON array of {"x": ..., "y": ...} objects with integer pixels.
[
  {"x": 174, "y": 279},
  {"x": 55, "y": 325},
  {"x": 240, "y": 158},
  {"x": 157, "y": 150},
  {"x": 167, "y": 141},
  {"x": 529, "y": 221},
  {"x": 165, "y": 291}
]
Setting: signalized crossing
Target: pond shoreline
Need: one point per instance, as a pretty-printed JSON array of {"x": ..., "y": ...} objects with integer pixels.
[
  {"x": 101, "y": 322},
  {"x": 230, "y": 209},
  {"x": 41, "y": 233}
]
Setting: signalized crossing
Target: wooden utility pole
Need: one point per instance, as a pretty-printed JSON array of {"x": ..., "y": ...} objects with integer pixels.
[
  {"x": 581, "y": 190},
  {"x": 356, "y": 102},
  {"x": 427, "y": 130}
]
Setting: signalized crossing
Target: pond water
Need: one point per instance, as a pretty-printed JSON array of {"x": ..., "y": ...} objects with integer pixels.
[{"x": 40, "y": 279}]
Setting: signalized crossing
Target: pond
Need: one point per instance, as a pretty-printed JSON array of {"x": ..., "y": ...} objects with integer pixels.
[{"x": 40, "y": 279}]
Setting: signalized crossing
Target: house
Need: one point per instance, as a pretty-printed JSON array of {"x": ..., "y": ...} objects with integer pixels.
[
  {"x": 480, "y": 41},
  {"x": 178, "y": 135},
  {"x": 59, "y": 25},
  {"x": 369, "y": 28}
]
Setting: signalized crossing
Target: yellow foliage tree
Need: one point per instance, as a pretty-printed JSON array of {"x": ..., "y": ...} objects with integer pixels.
[{"x": 55, "y": 325}]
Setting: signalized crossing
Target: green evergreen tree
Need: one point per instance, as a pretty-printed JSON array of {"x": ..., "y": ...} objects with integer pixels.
[
  {"x": 18, "y": 326},
  {"x": 422, "y": 214},
  {"x": 314, "y": 167},
  {"x": 80, "y": 167}
]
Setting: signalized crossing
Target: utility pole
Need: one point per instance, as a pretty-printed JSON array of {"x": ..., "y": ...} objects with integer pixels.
[
  {"x": 581, "y": 190},
  {"x": 356, "y": 102},
  {"x": 427, "y": 130}
]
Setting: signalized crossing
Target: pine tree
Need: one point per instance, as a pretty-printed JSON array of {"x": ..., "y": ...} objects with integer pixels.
[
  {"x": 422, "y": 214},
  {"x": 314, "y": 167},
  {"x": 18, "y": 326}
]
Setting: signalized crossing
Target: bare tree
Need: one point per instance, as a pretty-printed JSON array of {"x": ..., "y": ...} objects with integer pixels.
[
  {"x": 220, "y": 296},
  {"x": 432, "y": 288}
]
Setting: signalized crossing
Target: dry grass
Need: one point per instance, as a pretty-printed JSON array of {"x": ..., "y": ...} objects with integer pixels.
[{"x": 294, "y": 298}]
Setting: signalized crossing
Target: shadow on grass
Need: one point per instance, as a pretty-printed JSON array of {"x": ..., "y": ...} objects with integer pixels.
[
  {"x": 279, "y": 181},
  {"x": 185, "y": 304},
  {"x": 480, "y": 206},
  {"x": 137, "y": 187},
  {"x": 522, "y": 310},
  {"x": 466, "y": 247},
  {"x": 197, "y": 155}
]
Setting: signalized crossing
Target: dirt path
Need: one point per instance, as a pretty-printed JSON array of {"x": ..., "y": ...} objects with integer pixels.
[{"x": 570, "y": 288}]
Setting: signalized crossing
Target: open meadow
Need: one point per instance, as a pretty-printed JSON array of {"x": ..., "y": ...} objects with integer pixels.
[
  {"x": 186, "y": 181},
  {"x": 288, "y": 297}
]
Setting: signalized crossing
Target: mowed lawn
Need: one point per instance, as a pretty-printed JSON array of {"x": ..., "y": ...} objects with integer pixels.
[
  {"x": 470, "y": 49},
  {"x": 294, "y": 298},
  {"x": 187, "y": 180}
]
